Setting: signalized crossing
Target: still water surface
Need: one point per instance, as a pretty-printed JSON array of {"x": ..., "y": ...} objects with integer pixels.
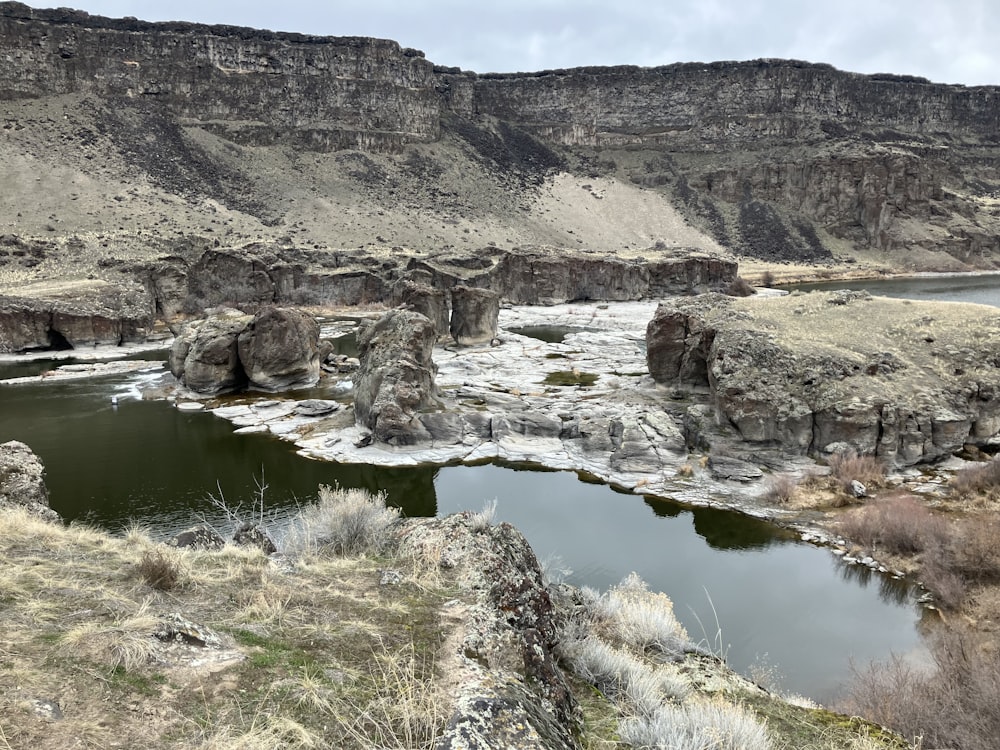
[{"x": 773, "y": 597}]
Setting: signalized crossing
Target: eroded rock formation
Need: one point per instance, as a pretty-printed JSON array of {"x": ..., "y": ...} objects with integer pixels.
[
  {"x": 279, "y": 350},
  {"x": 474, "y": 314},
  {"x": 396, "y": 378},
  {"x": 72, "y": 315},
  {"x": 22, "y": 481},
  {"x": 276, "y": 349},
  {"x": 816, "y": 373}
]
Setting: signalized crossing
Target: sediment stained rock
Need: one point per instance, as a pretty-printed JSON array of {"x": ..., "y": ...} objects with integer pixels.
[
  {"x": 908, "y": 381},
  {"x": 396, "y": 378},
  {"x": 279, "y": 350}
]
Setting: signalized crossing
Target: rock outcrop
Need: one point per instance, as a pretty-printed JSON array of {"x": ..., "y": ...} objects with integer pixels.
[
  {"x": 205, "y": 356},
  {"x": 426, "y": 300},
  {"x": 512, "y": 692},
  {"x": 72, "y": 315},
  {"x": 779, "y": 159},
  {"x": 474, "y": 314},
  {"x": 276, "y": 349},
  {"x": 279, "y": 350},
  {"x": 22, "y": 481},
  {"x": 907, "y": 381},
  {"x": 396, "y": 378}
]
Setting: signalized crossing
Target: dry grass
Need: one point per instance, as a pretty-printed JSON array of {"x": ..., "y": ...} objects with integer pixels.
[
  {"x": 159, "y": 570},
  {"x": 953, "y": 704},
  {"x": 309, "y": 646},
  {"x": 780, "y": 488},
  {"x": 342, "y": 522},
  {"x": 849, "y": 467},
  {"x": 981, "y": 480},
  {"x": 897, "y": 524}
]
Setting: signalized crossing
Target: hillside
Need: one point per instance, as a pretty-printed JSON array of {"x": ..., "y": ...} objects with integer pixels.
[{"x": 127, "y": 140}]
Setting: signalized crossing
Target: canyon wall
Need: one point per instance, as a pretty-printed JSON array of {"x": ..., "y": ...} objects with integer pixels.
[{"x": 775, "y": 159}]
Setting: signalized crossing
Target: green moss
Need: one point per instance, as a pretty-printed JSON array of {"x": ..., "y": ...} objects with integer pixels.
[
  {"x": 816, "y": 728},
  {"x": 571, "y": 377}
]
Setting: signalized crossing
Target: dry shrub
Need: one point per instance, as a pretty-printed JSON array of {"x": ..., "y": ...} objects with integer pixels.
[
  {"x": 898, "y": 524},
  {"x": 780, "y": 488},
  {"x": 974, "y": 550},
  {"x": 159, "y": 571},
  {"x": 981, "y": 479},
  {"x": 767, "y": 279},
  {"x": 344, "y": 522},
  {"x": 849, "y": 467},
  {"x": 740, "y": 287},
  {"x": 953, "y": 704}
]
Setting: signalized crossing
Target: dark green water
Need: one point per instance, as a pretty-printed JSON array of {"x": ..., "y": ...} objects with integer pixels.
[
  {"x": 772, "y": 595},
  {"x": 983, "y": 289}
]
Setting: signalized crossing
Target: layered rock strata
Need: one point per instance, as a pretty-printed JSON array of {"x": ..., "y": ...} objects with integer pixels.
[
  {"x": 822, "y": 372},
  {"x": 396, "y": 377},
  {"x": 72, "y": 316}
]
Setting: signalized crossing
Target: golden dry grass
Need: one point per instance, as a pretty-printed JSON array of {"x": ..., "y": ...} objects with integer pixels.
[{"x": 307, "y": 647}]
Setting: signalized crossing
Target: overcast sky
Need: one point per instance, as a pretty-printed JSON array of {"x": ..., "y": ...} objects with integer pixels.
[{"x": 947, "y": 41}]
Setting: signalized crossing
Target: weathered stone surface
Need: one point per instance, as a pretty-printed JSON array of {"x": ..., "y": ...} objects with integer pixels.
[
  {"x": 396, "y": 378},
  {"x": 513, "y": 693},
  {"x": 198, "y": 537},
  {"x": 250, "y": 534},
  {"x": 205, "y": 357},
  {"x": 22, "y": 480},
  {"x": 426, "y": 300},
  {"x": 817, "y": 373},
  {"x": 474, "y": 314},
  {"x": 279, "y": 350},
  {"x": 72, "y": 315}
]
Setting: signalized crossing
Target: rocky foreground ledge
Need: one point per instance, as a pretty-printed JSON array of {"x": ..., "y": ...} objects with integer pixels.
[{"x": 363, "y": 631}]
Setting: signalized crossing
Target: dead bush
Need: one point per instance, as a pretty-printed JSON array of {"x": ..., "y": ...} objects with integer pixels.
[
  {"x": 849, "y": 467},
  {"x": 898, "y": 524},
  {"x": 981, "y": 479},
  {"x": 780, "y": 488},
  {"x": 952, "y": 704},
  {"x": 974, "y": 551},
  {"x": 767, "y": 279},
  {"x": 159, "y": 571},
  {"x": 740, "y": 287}
]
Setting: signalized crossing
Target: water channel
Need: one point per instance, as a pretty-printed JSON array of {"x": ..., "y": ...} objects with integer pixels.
[{"x": 774, "y": 599}]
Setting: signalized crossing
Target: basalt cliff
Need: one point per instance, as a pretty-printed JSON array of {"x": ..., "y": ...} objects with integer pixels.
[{"x": 130, "y": 148}]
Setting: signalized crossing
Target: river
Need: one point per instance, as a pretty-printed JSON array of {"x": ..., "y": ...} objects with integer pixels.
[{"x": 742, "y": 586}]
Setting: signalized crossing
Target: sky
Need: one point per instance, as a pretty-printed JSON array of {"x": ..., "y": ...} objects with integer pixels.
[{"x": 947, "y": 41}]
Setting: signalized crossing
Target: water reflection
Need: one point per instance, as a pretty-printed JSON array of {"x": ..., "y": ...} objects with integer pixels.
[
  {"x": 890, "y": 590},
  {"x": 983, "y": 289},
  {"x": 768, "y": 593}
]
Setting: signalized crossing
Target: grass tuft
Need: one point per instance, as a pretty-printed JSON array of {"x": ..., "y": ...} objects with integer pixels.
[
  {"x": 342, "y": 522},
  {"x": 159, "y": 571}
]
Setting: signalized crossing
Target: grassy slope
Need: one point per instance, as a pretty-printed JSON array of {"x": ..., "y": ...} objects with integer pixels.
[{"x": 313, "y": 652}]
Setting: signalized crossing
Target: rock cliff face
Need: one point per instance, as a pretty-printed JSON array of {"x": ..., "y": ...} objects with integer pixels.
[
  {"x": 249, "y": 86},
  {"x": 781, "y": 160},
  {"x": 913, "y": 383}
]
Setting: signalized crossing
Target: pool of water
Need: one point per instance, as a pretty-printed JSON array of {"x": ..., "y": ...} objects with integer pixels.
[
  {"x": 983, "y": 289},
  {"x": 772, "y": 597}
]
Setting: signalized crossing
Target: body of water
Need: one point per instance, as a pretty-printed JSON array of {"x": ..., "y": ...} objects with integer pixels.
[
  {"x": 983, "y": 289},
  {"x": 740, "y": 585}
]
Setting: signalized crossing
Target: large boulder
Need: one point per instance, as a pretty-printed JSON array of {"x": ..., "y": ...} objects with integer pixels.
[
  {"x": 474, "y": 315},
  {"x": 396, "y": 378},
  {"x": 22, "y": 480},
  {"x": 677, "y": 346},
  {"x": 279, "y": 350},
  {"x": 205, "y": 356},
  {"x": 425, "y": 300}
]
